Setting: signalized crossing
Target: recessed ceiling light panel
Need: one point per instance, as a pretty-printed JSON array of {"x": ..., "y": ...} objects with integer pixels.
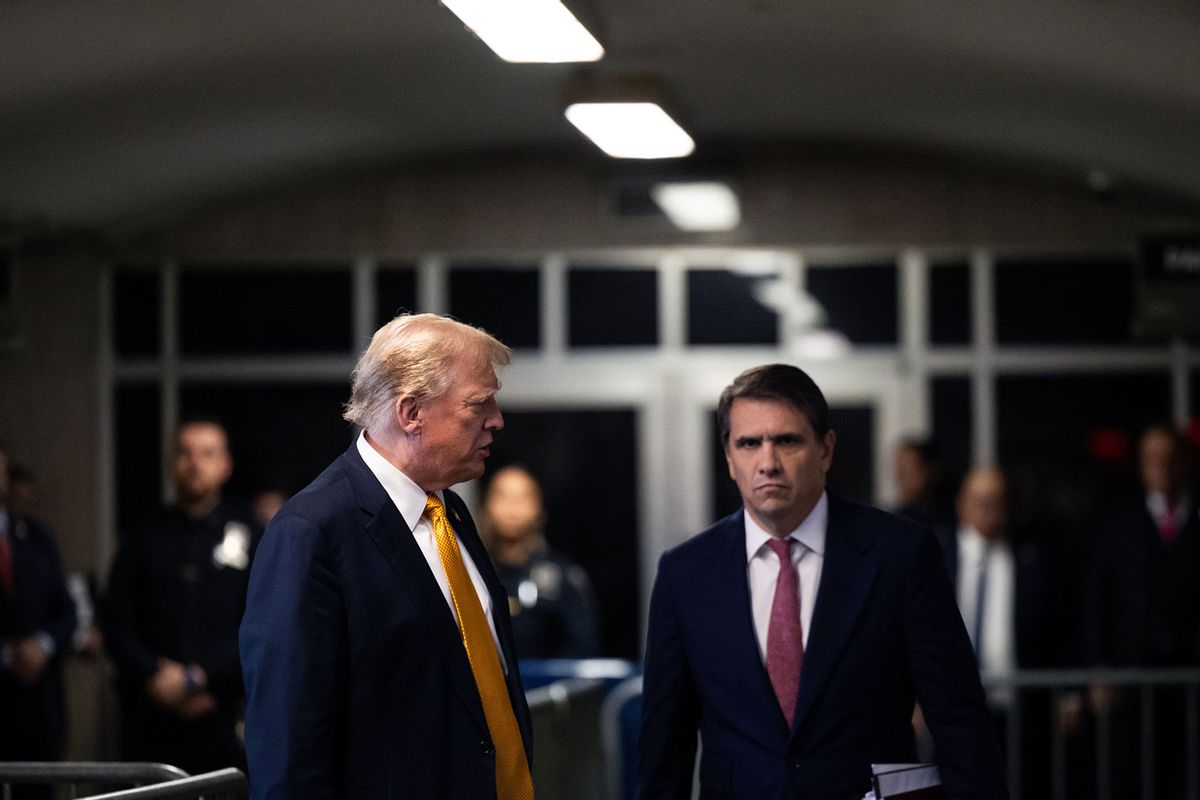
[
  {"x": 528, "y": 31},
  {"x": 631, "y": 130},
  {"x": 699, "y": 205}
]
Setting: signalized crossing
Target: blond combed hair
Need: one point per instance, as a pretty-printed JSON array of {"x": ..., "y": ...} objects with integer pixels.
[{"x": 413, "y": 354}]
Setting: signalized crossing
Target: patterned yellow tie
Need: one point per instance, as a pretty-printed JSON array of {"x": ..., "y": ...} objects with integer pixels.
[{"x": 513, "y": 781}]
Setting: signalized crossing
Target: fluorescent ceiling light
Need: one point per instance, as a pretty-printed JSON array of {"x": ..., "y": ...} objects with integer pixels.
[
  {"x": 528, "y": 31},
  {"x": 820, "y": 344},
  {"x": 631, "y": 130},
  {"x": 698, "y": 206}
]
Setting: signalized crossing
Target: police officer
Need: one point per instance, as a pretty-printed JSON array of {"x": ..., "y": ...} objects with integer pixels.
[
  {"x": 549, "y": 596},
  {"x": 176, "y": 595}
]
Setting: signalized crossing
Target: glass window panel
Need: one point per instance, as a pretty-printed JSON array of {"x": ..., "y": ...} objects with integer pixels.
[
  {"x": 139, "y": 455},
  {"x": 1064, "y": 301},
  {"x": 1068, "y": 442},
  {"x": 950, "y": 304},
  {"x": 395, "y": 292},
  {"x": 612, "y": 307},
  {"x": 860, "y": 301},
  {"x": 504, "y": 302},
  {"x": 722, "y": 309},
  {"x": 598, "y": 529},
  {"x": 951, "y": 397},
  {"x": 282, "y": 435},
  {"x": 276, "y": 311},
  {"x": 137, "y": 312}
]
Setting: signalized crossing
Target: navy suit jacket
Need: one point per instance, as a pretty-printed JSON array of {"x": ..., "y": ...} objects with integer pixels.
[
  {"x": 885, "y": 629},
  {"x": 33, "y": 720},
  {"x": 357, "y": 682}
]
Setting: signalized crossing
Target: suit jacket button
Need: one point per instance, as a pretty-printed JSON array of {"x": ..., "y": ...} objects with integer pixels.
[{"x": 485, "y": 748}]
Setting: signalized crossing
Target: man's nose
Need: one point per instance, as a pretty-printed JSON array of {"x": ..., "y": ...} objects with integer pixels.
[{"x": 769, "y": 464}]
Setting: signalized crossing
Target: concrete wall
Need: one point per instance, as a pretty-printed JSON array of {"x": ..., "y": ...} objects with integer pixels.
[
  {"x": 522, "y": 203},
  {"x": 49, "y": 401}
]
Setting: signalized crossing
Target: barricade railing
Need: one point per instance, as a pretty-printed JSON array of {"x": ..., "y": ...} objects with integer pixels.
[
  {"x": 568, "y": 759},
  {"x": 72, "y": 774},
  {"x": 134, "y": 779},
  {"x": 1132, "y": 682}
]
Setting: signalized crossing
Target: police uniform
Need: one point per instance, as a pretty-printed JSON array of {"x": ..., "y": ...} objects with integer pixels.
[
  {"x": 177, "y": 590},
  {"x": 552, "y": 607}
]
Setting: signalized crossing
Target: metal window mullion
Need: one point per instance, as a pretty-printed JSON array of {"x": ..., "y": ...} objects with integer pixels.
[
  {"x": 365, "y": 302},
  {"x": 1181, "y": 389},
  {"x": 983, "y": 374},
  {"x": 433, "y": 295},
  {"x": 553, "y": 305},
  {"x": 106, "y": 445},
  {"x": 168, "y": 371},
  {"x": 672, "y": 302}
]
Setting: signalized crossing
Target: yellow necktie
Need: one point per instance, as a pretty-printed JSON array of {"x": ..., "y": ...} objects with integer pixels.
[{"x": 513, "y": 781}]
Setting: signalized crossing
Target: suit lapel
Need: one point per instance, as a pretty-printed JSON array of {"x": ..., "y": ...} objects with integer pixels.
[
  {"x": 392, "y": 536},
  {"x": 734, "y": 632},
  {"x": 846, "y": 578}
]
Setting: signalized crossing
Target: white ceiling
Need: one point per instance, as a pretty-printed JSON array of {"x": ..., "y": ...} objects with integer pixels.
[{"x": 114, "y": 109}]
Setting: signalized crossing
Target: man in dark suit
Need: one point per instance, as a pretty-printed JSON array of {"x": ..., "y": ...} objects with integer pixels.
[
  {"x": 795, "y": 634},
  {"x": 376, "y": 645},
  {"x": 1143, "y": 605},
  {"x": 1003, "y": 595},
  {"x": 37, "y": 620}
]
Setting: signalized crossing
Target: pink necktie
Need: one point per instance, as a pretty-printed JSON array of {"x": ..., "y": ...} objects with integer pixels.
[
  {"x": 785, "y": 640},
  {"x": 1167, "y": 528}
]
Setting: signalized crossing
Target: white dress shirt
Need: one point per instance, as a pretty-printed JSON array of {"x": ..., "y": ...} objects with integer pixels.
[
  {"x": 998, "y": 629},
  {"x": 410, "y": 502},
  {"x": 1160, "y": 509},
  {"x": 762, "y": 568}
]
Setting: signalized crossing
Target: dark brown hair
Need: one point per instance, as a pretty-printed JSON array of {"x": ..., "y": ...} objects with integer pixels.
[{"x": 781, "y": 382}]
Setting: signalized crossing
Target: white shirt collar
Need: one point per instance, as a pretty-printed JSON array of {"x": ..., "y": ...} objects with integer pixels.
[
  {"x": 810, "y": 532},
  {"x": 406, "y": 495}
]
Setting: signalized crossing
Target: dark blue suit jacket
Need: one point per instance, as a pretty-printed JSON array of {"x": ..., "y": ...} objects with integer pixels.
[
  {"x": 885, "y": 629},
  {"x": 33, "y": 718},
  {"x": 357, "y": 682}
]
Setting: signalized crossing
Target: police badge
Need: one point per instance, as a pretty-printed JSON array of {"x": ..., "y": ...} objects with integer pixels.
[{"x": 234, "y": 549}]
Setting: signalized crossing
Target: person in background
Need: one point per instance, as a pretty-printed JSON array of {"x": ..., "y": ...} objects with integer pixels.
[
  {"x": 1002, "y": 590},
  {"x": 918, "y": 475},
  {"x": 266, "y": 505},
  {"x": 37, "y": 620},
  {"x": 549, "y": 596},
  {"x": 175, "y": 599},
  {"x": 1143, "y": 604},
  {"x": 22, "y": 491}
]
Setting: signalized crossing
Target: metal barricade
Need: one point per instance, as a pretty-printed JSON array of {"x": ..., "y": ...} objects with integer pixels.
[
  {"x": 1143, "y": 684},
  {"x": 72, "y": 774},
  {"x": 140, "y": 780},
  {"x": 568, "y": 759}
]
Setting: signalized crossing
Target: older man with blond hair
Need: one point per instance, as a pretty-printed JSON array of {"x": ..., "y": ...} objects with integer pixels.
[{"x": 376, "y": 646}]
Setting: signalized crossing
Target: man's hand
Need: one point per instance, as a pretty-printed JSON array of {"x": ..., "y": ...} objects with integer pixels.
[
  {"x": 197, "y": 705},
  {"x": 168, "y": 686},
  {"x": 29, "y": 659}
]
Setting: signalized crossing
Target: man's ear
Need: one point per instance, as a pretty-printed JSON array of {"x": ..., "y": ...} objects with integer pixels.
[{"x": 409, "y": 414}]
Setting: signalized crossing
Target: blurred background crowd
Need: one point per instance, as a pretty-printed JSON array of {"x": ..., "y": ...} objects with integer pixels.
[{"x": 976, "y": 225}]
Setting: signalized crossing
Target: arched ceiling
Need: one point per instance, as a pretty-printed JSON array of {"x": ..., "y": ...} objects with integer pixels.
[{"x": 113, "y": 110}]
